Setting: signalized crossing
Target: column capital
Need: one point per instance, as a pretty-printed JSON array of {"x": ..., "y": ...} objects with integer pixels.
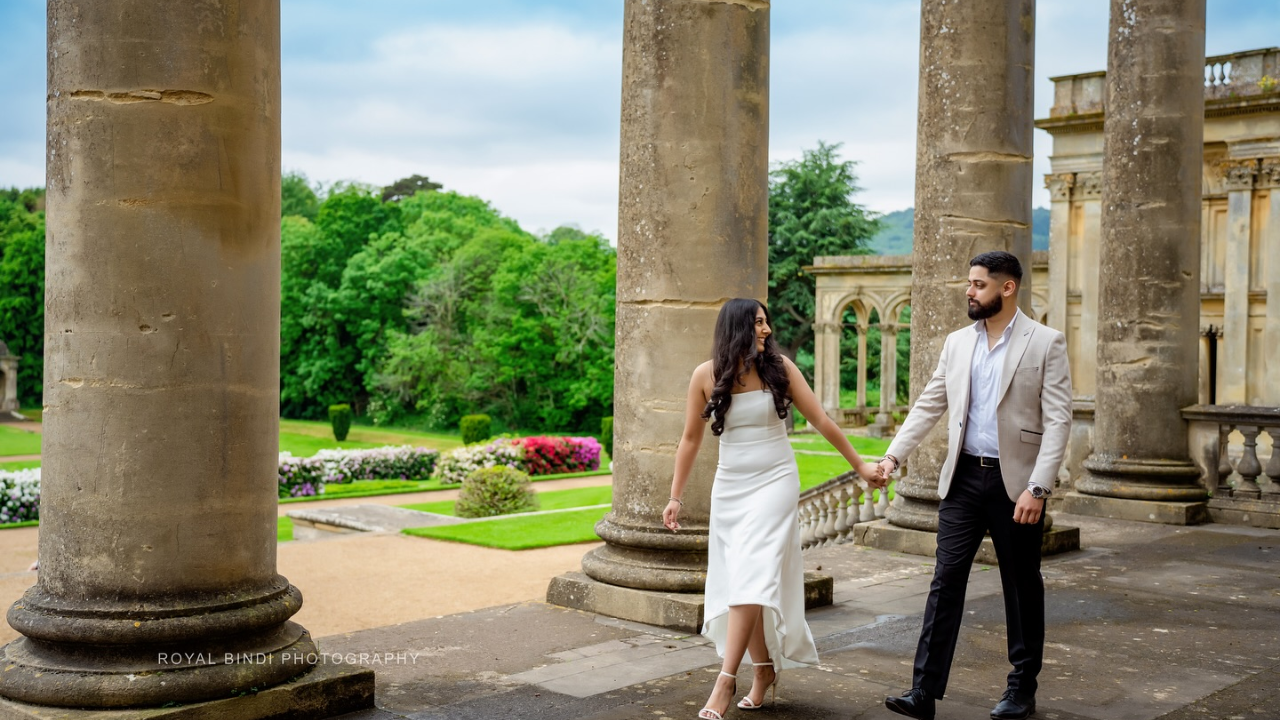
[
  {"x": 888, "y": 328},
  {"x": 1238, "y": 174},
  {"x": 1088, "y": 185},
  {"x": 1060, "y": 185},
  {"x": 826, "y": 326},
  {"x": 1269, "y": 173}
]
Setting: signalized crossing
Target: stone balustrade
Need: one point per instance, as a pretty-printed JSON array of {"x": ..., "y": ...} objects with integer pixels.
[
  {"x": 829, "y": 511},
  {"x": 1236, "y": 75},
  {"x": 1244, "y": 481},
  {"x": 1254, "y": 72}
]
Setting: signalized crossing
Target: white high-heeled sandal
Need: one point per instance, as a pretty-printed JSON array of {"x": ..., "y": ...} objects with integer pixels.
[
  {"x": 746, "y": 703},
  {"x": 707, "y": 713}
]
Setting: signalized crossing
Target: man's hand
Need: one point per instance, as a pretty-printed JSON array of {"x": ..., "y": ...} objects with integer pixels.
[
  {"x": 1028, "y": 510},
  {"x": 887, "y": 467}
]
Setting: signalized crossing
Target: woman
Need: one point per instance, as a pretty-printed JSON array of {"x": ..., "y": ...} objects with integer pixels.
[{"x": 755, "y": 575}]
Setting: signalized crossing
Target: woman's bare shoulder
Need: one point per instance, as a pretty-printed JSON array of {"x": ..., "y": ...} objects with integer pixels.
[{"x": 704, "y": 371}]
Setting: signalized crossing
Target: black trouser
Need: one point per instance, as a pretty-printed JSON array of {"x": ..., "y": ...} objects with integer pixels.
[{"x": 976, "y": 504}]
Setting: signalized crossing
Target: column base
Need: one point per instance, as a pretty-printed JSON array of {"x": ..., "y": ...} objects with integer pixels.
[
  {"x": 1141, "y": 479},
  {"x": 1153, "y": 511},
  {"x": 649, "y": 557},
  {"x": 884, "y": 535},
  {"x": 678, "y": 611},
  {"x": 329, "y": 690}
]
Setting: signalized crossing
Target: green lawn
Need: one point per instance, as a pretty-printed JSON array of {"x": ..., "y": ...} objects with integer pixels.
[
  {"x": 371, "y": 436},
  {"x": 550, "y": 500},
  {"x": 18, "y": 442},
  {"x": 19, "y": 465},
  {"x": 284, "y": 529},
  {"x": 522, "y": 532},
  {"x": 307, "y": 445},
  {"x": 874, "y": 447}
]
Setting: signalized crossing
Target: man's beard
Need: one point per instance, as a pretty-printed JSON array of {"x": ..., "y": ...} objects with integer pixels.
[{"x": 978, "y": 311}]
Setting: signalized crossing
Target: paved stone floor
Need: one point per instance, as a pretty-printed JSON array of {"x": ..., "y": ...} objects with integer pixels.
[{"x": 1146, "y": 622}]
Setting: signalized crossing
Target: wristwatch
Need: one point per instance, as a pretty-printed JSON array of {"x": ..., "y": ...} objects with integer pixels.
[{"x": 1039, "y": 492}]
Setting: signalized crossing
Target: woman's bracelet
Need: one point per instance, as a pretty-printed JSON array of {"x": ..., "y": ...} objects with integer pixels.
[{"x": 678, "y": 500}]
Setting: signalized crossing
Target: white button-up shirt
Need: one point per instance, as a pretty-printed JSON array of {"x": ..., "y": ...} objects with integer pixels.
[{"x": 981, "y": 436}]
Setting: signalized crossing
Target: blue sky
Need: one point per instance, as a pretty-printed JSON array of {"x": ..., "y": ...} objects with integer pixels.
[{"x": 517, "y": 100}]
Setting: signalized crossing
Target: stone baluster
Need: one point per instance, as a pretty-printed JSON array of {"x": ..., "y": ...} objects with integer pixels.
[
  {"x": 806, "y": 525},
  {"x": 868, "y": 511},
  {"x": 831, "y": 503},
  {"x": 1224, "y": 461},
  {"x": 1273, "y": 465},
  {"x": 882, "y": 503},
  {"x": 841, "y": 495},
  {"x": 1249, "y": 468}
]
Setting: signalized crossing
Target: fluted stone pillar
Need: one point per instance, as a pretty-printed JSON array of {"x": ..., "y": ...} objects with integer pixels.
[
  {"x": 692, "y": 233},
  {"x": 973, "y": 190},
  {"x": 1149, "y": 304},
  {"x": 1238, "y": 177},
  {"x": 888, "y": 379},
  {"x": 1059, "y": 186},
  {"x": 158, "y": 582},
  {"x": 1269, "y": 179}
]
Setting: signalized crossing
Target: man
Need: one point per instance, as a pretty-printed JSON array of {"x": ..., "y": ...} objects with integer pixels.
[{"x": 1006, "y": 384}]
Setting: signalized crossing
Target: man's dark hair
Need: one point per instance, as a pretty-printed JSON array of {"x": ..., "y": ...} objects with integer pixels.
[{"x": 999, "y": 262}]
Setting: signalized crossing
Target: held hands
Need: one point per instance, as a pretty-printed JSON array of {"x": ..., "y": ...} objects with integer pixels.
[
  {"x": 670, "y": 514},
  {"x": 874, "y": 475},
  {"x": 1028, "y": 510}
]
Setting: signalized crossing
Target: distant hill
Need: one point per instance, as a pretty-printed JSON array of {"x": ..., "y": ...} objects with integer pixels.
[{"x": 895, "y": 236}]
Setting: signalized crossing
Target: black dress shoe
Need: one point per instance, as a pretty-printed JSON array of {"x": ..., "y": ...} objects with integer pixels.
[
  {"x": 914, "y": 703},
  {"x": 1014, "y": 706}
]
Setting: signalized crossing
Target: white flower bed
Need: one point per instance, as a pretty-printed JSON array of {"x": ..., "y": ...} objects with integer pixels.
[
  {"x": 455, "y": 465},
  {"x": 19, "y": 495}
]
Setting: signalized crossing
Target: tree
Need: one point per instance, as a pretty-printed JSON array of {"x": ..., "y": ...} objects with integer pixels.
[
  {"x": 408, "y": 187},
  {"x": 298, "y": 197},
  {"x": 22, "y": 287},
  {"x": 811, "y": 213}
]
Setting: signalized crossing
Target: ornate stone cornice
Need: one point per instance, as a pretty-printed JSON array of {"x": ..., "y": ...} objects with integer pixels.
[
  {"x": 1060, "y": 185},
  {"x": 1269, "y": 173},
  {"x": 1088, "y": 185},
  {"x": 1238, "y": 174}
]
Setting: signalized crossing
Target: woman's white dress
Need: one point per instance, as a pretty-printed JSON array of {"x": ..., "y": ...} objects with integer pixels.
[{"x": 754, "y": 545}]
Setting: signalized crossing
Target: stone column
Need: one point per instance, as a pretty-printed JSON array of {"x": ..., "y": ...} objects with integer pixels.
[
  {"x": 158, "y": 507},
  {"x": 1059, "y": 246},
  {"x": 826, "y": 367},
  {"x": 1149, "y": 301},
  {"x": 888, "y": 378},
  {"x": 692, "y": 233},
  {"x": 861, "y": 402},
  {"x": 9, "y": 378},
  {"x": 1088, "y": 191},
  {"x": 1238, "y": 179},
  {"x": 973, "y": 190},
  {"x": 1269, "y": 179}
]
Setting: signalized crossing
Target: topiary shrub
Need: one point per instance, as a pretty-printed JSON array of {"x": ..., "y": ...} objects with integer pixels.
[
  {"x": 495, "y": 491},
  {"x": 606, "y": 435},
  {"x": 475, "y": 428},
  {"x": 340, "y": 418}
]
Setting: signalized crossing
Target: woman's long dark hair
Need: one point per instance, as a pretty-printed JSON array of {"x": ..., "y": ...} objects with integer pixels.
[{"x": 734, "y": 351}]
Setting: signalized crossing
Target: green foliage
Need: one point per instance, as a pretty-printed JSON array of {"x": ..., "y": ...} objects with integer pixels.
[
  {"x": 475, "y": 428},
  {"x": 606, "y": 435},
  {"x": 495, "y": 491},
  {"x": 408, "y": 187},
  {"x": 22, "y": 249},
  {"x": 897, "y": 228},
  {"x": 516, "y": 327},
  {"x": 811, "y": 213},
  {"x": 298, "y": 197},
  {"x": 340, "y": 419},
  {"x": 849, "y": 354}
]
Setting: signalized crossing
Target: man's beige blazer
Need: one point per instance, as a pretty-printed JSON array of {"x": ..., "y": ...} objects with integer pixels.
[{"x": 1033, "y": 413}]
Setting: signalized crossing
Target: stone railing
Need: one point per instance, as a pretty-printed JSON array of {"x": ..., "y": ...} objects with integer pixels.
[
  {"x": 1245, "y": 483},
  {"x": 829, "y": 511},
  {"x": 1241, "y": 74},
  {"x": 1237, "y": 75}
]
